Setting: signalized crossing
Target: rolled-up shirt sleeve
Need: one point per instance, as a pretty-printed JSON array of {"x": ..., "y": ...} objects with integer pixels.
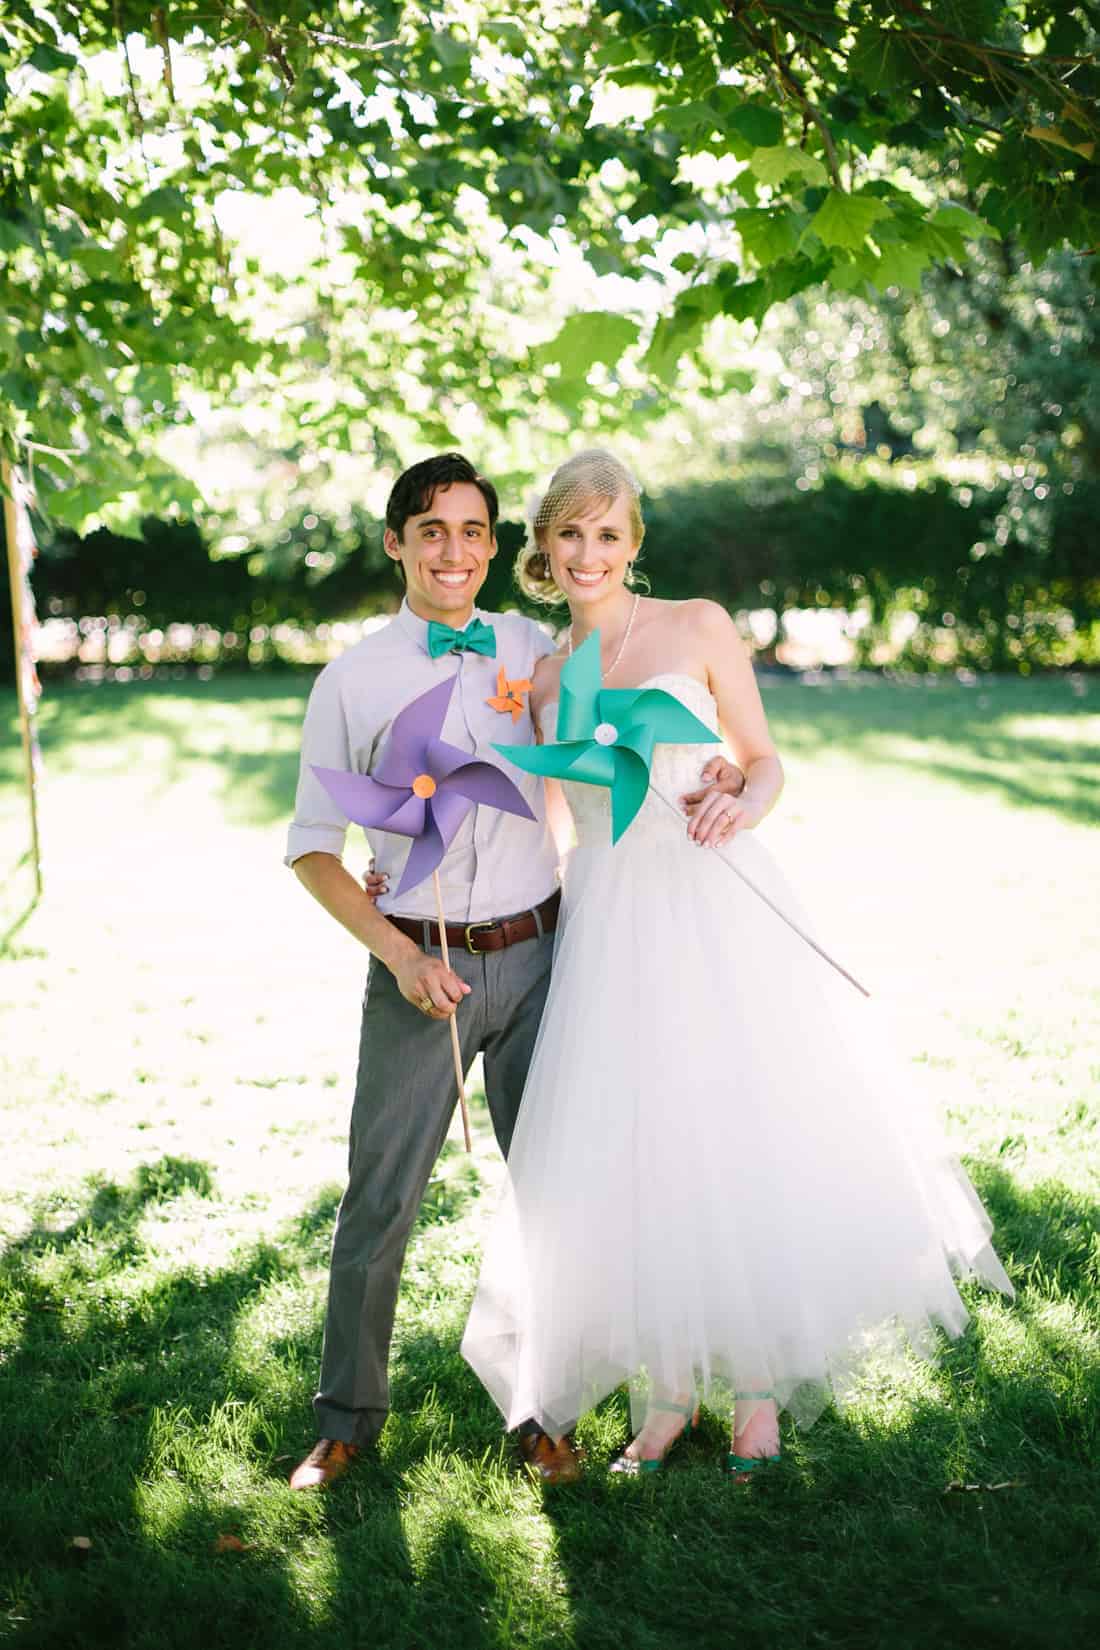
[{"x": 319, "y": 826}]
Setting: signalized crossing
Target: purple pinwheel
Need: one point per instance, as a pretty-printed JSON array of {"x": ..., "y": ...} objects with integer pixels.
[{"x": 422, "y": 787}]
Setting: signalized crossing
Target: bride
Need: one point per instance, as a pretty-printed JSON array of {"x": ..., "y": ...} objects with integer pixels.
[{"x": 720, "y": 1186}]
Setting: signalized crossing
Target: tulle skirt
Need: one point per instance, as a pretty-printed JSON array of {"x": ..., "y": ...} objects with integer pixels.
[{"x": 722, "y": 1180}]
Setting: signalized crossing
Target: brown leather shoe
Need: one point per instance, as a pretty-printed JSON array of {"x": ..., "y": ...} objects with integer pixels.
[
  {"x": 555, "y": 1463},
  {"x": 329, "y": 1458}
]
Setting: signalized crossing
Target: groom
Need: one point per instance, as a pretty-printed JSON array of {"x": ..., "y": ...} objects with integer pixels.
[{"x": 501, "y": 896}]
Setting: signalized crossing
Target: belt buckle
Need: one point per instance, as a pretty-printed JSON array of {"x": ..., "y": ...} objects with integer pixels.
[{"x": 469, "y": 929}]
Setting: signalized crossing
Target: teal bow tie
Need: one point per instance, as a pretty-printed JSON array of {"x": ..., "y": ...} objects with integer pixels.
[{"x": 476, "y": 638}]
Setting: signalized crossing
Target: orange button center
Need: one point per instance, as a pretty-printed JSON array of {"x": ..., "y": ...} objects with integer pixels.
[{"x": 424, "y": 785}]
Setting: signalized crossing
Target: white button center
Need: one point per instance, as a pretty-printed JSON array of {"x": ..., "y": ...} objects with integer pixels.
[{"x": 606, "y": 734}]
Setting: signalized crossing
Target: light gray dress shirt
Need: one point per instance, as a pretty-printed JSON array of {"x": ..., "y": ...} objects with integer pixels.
[{"x": 497, "y": 864}]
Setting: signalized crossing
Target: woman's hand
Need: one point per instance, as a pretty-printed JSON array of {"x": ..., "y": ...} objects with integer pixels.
[
  {"x": 720, "y": 817},
  {"x": 721, "y": 807},
  {"x": 719, "y": 779}
]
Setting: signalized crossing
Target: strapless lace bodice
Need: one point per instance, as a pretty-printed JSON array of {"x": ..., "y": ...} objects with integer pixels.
[{"x": 676, "y": 769}]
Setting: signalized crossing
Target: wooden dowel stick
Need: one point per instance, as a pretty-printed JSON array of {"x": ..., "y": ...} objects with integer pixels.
[{"x": 455, "y": 1049}]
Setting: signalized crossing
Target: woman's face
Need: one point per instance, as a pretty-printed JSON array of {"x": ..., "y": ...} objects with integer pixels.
[{"x": 590, "y": 551}]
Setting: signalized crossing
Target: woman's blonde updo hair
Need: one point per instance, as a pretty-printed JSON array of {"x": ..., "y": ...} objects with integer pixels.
[{"x": 590, "y": 480}]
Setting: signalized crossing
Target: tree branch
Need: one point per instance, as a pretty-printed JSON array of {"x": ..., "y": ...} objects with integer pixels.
[
  {"x": 321, "y": 37},
  {"x": 275, "y": 49},
  {"x": 160, "y": 29},
  {"x": 1014, "y": 74},
  {"x": 929, "y": 30},
  {"x": 788, "y": 82},
  {"x": 139, "y": 122}
]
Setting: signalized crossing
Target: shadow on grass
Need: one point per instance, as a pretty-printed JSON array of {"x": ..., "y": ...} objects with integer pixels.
[
  {"x": 985, "y": 729},
  {"x": 132, "y": 1416},
  {"x": 243, "y": 729},
  {"x": 977, "y": 737},
  {"x": 135, "y": 1414},
  {"x": 132, "y": 1382},
  {"x": 855, "y": 1538}
]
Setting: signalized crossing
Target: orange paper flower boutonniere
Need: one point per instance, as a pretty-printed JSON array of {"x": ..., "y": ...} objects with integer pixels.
[{"x": 509, "y": 696}]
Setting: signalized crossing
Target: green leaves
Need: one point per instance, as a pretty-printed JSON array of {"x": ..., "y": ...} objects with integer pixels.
[
  {"x": 12, "y": 235},
  {"x": 588, "y": 339},
  {"x": 453, "y": 53},
  {"x": 746, "y": 300},
  {"x": 953, "y": 217},
  {"x": 168, "y": 203},
  {"x": 50, "y": 59},
  {"x": 20, "y": 389},
  {"x": 399, "y": 173},
  {"x": 692, "y": 119},
  {"x": 881, "y": 58},
  {"x": 845, "y": 220},
  {"x": 672, "y": 337},
  {"x": 775, "y": 165},
  {"x": 901, "y": 264},
  {"x": 585, "y": 339},
  {"x": 760, "y": 126},
  {"x": 768, "y": 234},
  {"x": 1063, "y": 139}
]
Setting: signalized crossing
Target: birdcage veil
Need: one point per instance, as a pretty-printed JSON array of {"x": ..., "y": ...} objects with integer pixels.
[{"x": 587, "y": 482}]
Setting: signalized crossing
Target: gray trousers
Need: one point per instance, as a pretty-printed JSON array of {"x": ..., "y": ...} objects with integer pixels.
[{"x": 404, "y": 1097}]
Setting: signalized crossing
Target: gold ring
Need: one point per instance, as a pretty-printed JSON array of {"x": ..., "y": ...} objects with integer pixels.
[{"x": 425, "y": 1005}]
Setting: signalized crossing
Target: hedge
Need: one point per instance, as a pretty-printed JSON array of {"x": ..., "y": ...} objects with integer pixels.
[{"x": 992, "y": 587}]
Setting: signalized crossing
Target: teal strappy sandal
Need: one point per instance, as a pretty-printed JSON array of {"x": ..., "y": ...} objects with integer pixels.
[
  {"x": 630, "y": 1468},
  {"x": 742, "y": 1465}
]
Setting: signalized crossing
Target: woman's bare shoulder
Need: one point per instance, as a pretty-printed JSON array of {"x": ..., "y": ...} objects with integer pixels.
[
  {"x": 712, "y": 625},
  {"x": 695, "y": 628},
  {"x": 691, "y": 614},
  {"x": 701, "y": 610}
]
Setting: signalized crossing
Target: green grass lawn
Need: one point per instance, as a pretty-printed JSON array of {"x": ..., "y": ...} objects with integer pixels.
[{"x": 177, "y": 1033}]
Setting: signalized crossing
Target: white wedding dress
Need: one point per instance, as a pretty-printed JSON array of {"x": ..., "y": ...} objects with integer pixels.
[{"x": 720, "y": 1180}]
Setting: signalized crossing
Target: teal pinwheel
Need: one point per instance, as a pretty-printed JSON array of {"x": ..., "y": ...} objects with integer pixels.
[{"x": 605, "y": 736}]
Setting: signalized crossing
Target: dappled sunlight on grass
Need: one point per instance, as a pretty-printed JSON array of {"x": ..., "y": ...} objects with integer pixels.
[
  {"x": 315, "y": 1581},
  {"x": 159, "y": 734}
]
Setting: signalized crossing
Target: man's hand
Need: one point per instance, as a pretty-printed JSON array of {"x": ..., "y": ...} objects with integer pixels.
[
  {"x": 425, "y": 983},
  {"x": 422, "y": 980},
  {"x": 707, "y": 808}
]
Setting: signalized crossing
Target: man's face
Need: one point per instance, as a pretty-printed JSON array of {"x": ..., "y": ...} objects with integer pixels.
[{"x": 445, "y": 551}]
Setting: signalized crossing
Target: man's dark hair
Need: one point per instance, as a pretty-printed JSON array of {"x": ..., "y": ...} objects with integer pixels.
[{"x": 415, "y": 488}]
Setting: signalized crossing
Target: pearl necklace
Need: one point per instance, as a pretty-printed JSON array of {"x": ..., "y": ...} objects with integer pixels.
[{"x": 622, "y": 644}]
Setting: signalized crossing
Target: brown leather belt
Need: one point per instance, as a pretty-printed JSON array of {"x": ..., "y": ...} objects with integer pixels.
[{"x": 479, "y": 937}]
